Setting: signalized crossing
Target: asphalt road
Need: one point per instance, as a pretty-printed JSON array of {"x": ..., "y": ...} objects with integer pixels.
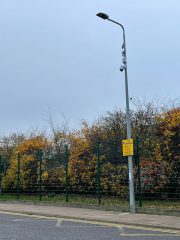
[{"x": 17, "y": 227}]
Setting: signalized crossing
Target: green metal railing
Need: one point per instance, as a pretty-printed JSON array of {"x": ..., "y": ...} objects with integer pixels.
[{"x": 98, "y": 175}]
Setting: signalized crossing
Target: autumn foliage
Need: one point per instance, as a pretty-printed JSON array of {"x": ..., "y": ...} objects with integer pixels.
[{"x": 158, "y": 133}]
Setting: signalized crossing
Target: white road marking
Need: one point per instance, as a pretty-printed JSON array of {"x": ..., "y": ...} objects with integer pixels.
[
  {"x": 121, "y": 230},
  {"x": 19, "y": 220},
  {"x": 59, "y": 222}
]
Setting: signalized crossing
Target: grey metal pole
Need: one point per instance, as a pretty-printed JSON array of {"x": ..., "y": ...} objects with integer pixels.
[{"x": 128, "y": 127}]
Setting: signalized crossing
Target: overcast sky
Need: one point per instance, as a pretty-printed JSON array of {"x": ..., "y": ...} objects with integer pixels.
[{"x": 56, "y": 54}]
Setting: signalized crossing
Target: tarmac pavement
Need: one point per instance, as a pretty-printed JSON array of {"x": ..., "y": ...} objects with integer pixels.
[{"x": 144, "y": 220}]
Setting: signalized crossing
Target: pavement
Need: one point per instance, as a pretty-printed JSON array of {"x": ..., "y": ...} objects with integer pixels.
[{"x": 144, "y": 220}]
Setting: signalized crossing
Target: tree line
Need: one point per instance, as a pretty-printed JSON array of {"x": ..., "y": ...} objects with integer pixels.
[{"x": 158, "y": 131}]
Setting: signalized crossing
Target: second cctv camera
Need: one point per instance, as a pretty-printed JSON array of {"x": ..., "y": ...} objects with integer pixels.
[{"x": 122, "y": 67}]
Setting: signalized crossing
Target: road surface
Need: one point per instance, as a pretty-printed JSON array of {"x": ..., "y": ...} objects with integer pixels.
[{"x": 21, "y": 227}]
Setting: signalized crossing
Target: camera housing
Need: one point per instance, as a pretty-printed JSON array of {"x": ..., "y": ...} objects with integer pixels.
[{"x": 122, "y": 67}]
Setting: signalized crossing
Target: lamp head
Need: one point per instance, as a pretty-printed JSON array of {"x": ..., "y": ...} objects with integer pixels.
[{"x": 103, "y": 16}]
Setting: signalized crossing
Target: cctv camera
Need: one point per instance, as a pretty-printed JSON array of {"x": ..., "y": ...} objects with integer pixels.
[
  {"x": 124, "y": 60},
  {"x": 122, "y": 67},
  {"x": 122, "y": 52}
]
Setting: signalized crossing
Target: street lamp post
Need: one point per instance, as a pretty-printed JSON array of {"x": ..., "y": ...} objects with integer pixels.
[{"x": 128, "y": 123}]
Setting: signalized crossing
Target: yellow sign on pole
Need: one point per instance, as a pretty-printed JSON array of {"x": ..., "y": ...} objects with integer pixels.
[{"x": 128, "y": 147}]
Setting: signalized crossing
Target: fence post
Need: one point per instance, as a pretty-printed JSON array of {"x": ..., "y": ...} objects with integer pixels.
[
  {"x": 138, "y": 172},
  {"x": 67, "y": 177},
  {"x": 99, "y": 173},
  {"x": 18, "y": 174},
  {"x": 1, "y": 172},
  {"x": 40, "y": 174}
]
